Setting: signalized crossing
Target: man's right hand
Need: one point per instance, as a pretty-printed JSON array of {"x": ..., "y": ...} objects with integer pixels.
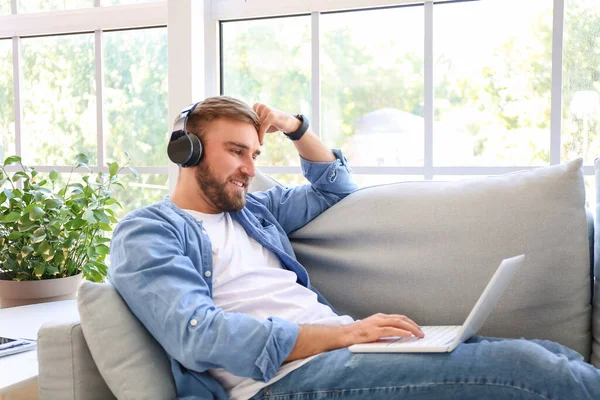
[{"x": 315, "y": 339}]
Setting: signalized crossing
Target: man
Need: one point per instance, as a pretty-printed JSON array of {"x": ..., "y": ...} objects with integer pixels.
[{"x": 211, "y": 274}]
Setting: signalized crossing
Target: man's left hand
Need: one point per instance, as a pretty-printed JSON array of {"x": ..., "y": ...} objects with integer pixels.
[{"x": 273, "y": 120}]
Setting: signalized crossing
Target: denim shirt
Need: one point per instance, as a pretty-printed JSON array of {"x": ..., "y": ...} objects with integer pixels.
[{"x": 161, "y": 264}]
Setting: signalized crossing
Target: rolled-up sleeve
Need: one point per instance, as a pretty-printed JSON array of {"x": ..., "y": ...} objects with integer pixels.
[
  {"x": 294, "y": 207},
  {"x": 170, "y": 296}
]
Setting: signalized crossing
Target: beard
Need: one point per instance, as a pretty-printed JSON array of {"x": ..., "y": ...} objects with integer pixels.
[{"x": 219, "y": 193}]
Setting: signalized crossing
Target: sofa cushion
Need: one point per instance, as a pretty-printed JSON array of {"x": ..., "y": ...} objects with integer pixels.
[
  {"x": 596, "y": 320},
  {"x": 131, "y": 362},
  {"x": 67, "y": 370},
  {"x": 428, "y": 249}
]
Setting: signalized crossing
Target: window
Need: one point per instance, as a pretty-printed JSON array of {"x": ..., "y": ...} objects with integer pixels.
[
  {"x": 66, "y": 109},
  {"x": 269, "y": 61},
  {"x": 581, "y": 81},
  {"x": 493, "y": 82},
  {"x": 58, "y": 99},
  {"x": 7, "y": 115},
  {"x": 135, "y": 81},
  {"x": 372, "y": 85},
  {"x": 441, "y": 89}
]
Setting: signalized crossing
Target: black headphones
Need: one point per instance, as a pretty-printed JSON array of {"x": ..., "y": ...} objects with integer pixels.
[{"x": 184, "y": 149}]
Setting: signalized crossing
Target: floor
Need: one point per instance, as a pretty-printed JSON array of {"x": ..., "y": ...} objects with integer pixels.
[{"x": 25, "y": 393}]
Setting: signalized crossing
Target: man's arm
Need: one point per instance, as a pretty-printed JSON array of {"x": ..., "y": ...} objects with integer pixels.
[{"x": 315, "y": 339}]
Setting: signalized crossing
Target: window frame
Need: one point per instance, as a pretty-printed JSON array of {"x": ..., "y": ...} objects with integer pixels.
[{"x": 94, "y": 20}]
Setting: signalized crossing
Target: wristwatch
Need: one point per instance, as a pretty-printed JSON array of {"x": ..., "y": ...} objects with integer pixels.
[{"x": 297, "y": 134}]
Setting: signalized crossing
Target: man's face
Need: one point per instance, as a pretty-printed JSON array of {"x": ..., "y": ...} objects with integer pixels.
[{"x": 227, "y": 166}]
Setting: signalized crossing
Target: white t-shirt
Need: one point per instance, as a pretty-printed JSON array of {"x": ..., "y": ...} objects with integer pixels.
[{"x": 249, "y": 279}]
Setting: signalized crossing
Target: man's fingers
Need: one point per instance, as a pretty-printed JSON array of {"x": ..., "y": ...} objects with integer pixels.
[
  {"x": 394, "y": 332},
  {"x": 400, "y": 322},
  {"x": 405, "y": 318}
]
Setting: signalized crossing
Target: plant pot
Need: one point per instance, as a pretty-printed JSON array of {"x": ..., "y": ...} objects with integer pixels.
[{"x": 14, "y": 293}]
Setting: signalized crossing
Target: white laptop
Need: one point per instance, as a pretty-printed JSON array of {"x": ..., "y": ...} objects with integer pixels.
[{"x": 442, "y": 339}]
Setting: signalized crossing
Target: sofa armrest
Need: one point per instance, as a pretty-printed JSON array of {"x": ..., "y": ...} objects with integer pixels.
[{"x": 66, "y": 368}]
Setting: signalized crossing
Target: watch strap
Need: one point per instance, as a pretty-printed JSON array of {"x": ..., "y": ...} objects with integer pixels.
[{"x": 297, "y": 134}]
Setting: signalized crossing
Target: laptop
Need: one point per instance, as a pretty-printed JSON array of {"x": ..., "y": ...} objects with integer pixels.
[{"x": 442, "y": 339}]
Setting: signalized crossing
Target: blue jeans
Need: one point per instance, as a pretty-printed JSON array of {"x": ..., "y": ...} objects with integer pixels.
[{"x": 481, "y": 368}]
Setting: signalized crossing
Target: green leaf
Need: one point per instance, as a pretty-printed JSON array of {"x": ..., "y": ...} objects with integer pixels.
[
  {"x": 44, "y": 248},
  {"x": 53, "y": 175},
  {"x": 19, "y": 175},
  {"x": 52, "y": 270},
  {"x": 81, "y": 159},
  {"x": 88, "y": 215},
  {"x": 52, "y": 204},
  {"x": 134, "y": 172},
  {"x": 38, "y": 235},
  {"x": 15, "y": 235},
  {"x": 2, "y": 197},
  {"x": 113, "y": 167},
  {"x": 102, "y": 249},
  {"x": 9, "y": 193},
  {"x": 101, "y": 216},
  {"x": 12, "y": 160},
  {"x": 11, "y": 217},
  {"x": 39, "y": 269},
  {"x": 75, "y": 224},
  {"x": 105, "y": 227},
  {"x": 26, "y": 249},
  {"x": 36, "y": 213}
]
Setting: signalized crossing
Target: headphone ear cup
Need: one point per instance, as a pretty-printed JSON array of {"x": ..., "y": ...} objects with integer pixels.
[{"x": 197, "y": 151}]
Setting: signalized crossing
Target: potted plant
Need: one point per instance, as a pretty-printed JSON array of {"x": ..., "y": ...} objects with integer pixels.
[{"x": 52, "y": 235}]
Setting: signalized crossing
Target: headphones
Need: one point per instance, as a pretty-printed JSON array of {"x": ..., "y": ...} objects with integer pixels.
[{"x": 184, "y": 149}]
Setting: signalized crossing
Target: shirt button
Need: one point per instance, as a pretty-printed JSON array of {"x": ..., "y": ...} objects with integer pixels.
[
  {"x": 207, "y": 274},
  {"x": 194, "y": 322}
]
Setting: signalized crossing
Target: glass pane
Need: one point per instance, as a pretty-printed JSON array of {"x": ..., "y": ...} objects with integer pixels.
[
  {"x": 139, "y": 193},
  {"x": 5, "y": 7},
  {"x": 581, "y": 83},
  {"x": 59, "y": 100},
  {"x": 135, "y": 81},
  {"x": 372, "y": 85},
  {"x": 25, "y": 6},
  {"x": 268, "y": 61},
  {"x": 493, "y": 70},
  {"x": 7, "y": 115}
]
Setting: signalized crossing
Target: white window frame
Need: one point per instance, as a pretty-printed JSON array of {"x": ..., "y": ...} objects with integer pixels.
[{"x": 86, "y": 20}]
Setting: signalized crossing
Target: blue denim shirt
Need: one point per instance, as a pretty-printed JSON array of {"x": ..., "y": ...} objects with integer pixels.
[{"x": 161, "y": 264}]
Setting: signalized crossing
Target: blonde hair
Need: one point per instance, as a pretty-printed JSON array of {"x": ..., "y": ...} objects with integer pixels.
[{"x": 213, "y": 108}]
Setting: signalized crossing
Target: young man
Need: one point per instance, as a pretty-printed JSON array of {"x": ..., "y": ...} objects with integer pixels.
[{"x": 211, "y": 274}]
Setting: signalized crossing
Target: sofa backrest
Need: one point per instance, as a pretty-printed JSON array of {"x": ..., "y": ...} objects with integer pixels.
[{"x": 427, "y": 250}]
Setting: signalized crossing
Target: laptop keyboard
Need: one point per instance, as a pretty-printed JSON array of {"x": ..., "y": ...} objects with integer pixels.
[{"x": 434, "y": 336}]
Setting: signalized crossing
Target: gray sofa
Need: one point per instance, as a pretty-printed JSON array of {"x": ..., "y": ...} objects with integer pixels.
[{"x": 423, "y": 249}]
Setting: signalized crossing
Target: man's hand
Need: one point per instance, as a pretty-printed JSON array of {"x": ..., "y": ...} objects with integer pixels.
[
  {"x": 315, "y": 339},
  {"x": 273, "y": 120},
  {"x": 381, "y": 325}
]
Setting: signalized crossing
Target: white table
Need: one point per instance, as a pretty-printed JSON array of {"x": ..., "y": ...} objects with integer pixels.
[{"x": 21, "y": 369}]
